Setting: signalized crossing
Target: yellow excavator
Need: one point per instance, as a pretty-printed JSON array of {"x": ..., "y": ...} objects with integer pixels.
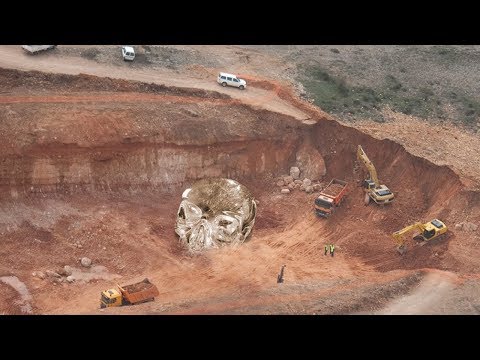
[
  {"x": 381, "y": 194},
  {"x": 428, "y": 231}
]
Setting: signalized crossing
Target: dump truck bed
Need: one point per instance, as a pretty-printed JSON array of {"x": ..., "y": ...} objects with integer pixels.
[
  {"x": 334, "y": 189},
  {"x": 330, "y": 197},
  {"x": 139, "y": 292}
]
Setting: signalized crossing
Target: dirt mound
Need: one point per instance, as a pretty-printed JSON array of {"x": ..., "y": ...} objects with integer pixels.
[
  {"x": 137, "y": 287},
  {"x": 34, "y": 81},
  {"x": 9, "y": 300},
  {"x": 285, "y": 92}
]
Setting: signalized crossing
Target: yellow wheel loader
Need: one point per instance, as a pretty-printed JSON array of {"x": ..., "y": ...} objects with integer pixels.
[
  {"x": 381, "y": 194},
  {"x": 428, "y": 231}
]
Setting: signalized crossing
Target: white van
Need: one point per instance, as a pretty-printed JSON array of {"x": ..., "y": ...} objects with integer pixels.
[
  {"x": 231, "y": 80},
  {"x": 128, "y": 53},
  {"x": 36, "y": 48}
]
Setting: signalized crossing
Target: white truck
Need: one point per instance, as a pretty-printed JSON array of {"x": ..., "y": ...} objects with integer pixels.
[
  {"x": 225, "y": 79},
  {"x": 32, "y": 49},
  {"x": 128, "y": 53}
]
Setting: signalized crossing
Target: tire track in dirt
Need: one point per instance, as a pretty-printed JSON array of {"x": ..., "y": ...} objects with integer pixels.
[
  {"x": 14, "y": 57},
  {"x": 134, "y": 97}
]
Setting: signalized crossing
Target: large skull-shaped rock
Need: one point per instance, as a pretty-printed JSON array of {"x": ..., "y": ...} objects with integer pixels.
[{"x": 214, "y": 213}]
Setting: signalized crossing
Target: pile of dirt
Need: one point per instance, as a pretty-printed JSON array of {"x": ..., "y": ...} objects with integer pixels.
[
  {"x": 137, "y": 287},
  {"x": 9, "y": 300},
  {"x": 333, "y": 189},
  {"x": 22, "y": 301},
  {"x": 34, "y": 81}
]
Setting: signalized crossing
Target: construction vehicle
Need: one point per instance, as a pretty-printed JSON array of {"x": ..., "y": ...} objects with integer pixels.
[
  {"x": 381, "y": 194},
  {"x": 128, "y": 53},
  {"x": 137, "y": 293},
  {"x": 32, "y": 49},
  {"x": 330, "y": 197},
  {"x": 428, "y": 231}
]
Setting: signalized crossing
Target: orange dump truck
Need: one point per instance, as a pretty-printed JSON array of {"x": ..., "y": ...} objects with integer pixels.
[
  {"x": 139, "y": 292},
  {"x": 330, "y": 197}
]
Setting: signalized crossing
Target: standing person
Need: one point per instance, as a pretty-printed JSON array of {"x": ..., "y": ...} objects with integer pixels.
[
  {"x": 326, "y": 249},
  {"x": 332, "y": 249},
  {"x": 280, "y": 276}
]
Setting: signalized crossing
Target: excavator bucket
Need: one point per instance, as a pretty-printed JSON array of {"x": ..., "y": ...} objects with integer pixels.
[
  {"x": 366, "y": 200},
  {"x": 401, "y": 249}
]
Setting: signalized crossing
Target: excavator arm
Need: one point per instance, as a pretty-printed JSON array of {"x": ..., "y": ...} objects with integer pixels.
[
  {"x": 428, "y": 231},
  {"x": 400, "y": 238},
  {"x": 368, "y": 164}
]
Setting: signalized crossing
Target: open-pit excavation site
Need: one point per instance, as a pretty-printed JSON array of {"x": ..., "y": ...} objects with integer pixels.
[{"x": 94, "y": 159}]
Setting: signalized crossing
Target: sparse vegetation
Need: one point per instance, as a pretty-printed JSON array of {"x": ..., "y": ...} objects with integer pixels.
[
  {"x": 413, "y": 80},
  {"x": 90, "y": 54}
]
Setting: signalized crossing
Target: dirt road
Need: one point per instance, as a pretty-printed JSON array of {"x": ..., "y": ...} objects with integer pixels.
[
  {"x": 424, "y": 298},
  {"x": 14, "y": 57}
]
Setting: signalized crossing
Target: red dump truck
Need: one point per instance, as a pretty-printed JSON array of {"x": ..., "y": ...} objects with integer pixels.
[
  {"x": 330, "y": 197},
  {"x": 139, "y": 292}
]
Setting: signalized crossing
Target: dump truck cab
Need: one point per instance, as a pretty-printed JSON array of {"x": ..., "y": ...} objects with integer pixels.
[
  {"x": 330, "y": 197},
  {"x": 132, "y": 294},
  {"x": 324, "y": 206},
  {"x": 110, "y": 297}
]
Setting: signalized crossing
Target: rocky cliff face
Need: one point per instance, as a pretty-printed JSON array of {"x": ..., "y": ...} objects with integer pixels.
[{"x": 141, "y": 166}]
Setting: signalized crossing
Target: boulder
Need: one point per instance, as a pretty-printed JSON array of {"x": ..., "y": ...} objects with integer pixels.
[
  {"x": 280, "y": 183},
  {"x": 317, "y": 187},
  {"x": 39, "y": 274},
  {"x": 67, "y": 270},
  {"x": 191, "y": 112},
  {"x": 298, "y": 181},
  {"x": 309, "y": 189},
  {"x": 291, "y": 186},
  {"x": 295, "y": 172},
  {"x": 86, "y": 262},
  {"x": 285, "y": 191},
  {"x": 52, "y": 274},
  {"x": 288, "y": 179},
  {"x": 468, "y": 226},
  {"x": 307, "y": 182},
  {"x": 458, "y": 226},
  {"x": 70, "y": 279},
  {"x": 310, "y": 161}
]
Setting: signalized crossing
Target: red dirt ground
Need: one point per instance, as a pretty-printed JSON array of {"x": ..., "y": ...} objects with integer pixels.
[{"x": 106, "y": 170}]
